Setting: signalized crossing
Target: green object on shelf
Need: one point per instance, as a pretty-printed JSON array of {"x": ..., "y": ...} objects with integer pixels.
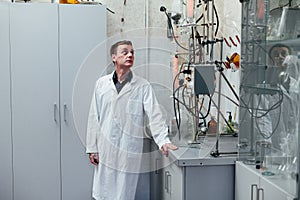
[{"x": 229, "y": 126}]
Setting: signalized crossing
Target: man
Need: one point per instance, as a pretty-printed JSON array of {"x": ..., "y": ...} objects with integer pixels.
[
  {"x": 116, "y": 126},
  {"x": 287, "y": 77},
  {"x": 278, "y": 54}
]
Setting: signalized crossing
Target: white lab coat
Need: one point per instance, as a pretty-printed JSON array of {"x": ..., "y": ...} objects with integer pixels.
[{"x": 116, "y": 131}]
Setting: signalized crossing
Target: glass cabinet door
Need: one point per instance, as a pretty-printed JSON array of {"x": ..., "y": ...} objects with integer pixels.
[{"x": 270, "y": 90}]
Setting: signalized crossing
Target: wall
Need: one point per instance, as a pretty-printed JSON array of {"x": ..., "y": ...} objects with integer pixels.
[
  {"x": 144, "y": 19},
  {"x": 142, "y": 22}
]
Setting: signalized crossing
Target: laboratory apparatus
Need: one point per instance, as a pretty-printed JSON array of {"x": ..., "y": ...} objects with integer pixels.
[{"x": 198, "y": 67}]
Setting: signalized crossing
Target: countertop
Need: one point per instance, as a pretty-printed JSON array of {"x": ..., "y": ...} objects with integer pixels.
[{"x": 200, "y": 154}]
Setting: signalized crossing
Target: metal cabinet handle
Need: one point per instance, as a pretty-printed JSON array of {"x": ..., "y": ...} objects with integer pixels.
[
  {"x": 65, "y": 112},
  {"x": 166, "y": 180},
  {"x": 169, "y": 183},
  {"x": 252, "y": 186},
  {"x": 262, "y": 192},
  {"x": 156, "y": 165},
  {"x": 54, "y": 112}
]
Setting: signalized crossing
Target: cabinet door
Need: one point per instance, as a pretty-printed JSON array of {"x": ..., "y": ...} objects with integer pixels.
[
  {"x": 166, "y": 193},
  {"x": 209, "y": 182},
  {"x": 176, "y": 182},
  {"x": 35, "y": 118},
  {"x": 5, "y": 128},
  {"x": 81, "y": 29},
  {"x": 172, "y": 182},
  {"x": 270, "y": 191},
  {"x": 245, "y": 179},
  {"x": 156, "y": 172}
]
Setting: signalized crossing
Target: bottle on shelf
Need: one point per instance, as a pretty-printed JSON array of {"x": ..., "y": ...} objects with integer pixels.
[{"x": 229, "y": 126}]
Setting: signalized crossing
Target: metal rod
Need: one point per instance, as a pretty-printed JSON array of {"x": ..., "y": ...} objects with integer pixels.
[{"x": 212, "y": 29}]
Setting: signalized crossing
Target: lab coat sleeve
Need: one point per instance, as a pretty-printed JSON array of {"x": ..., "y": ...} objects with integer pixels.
[
  {"x": 92, "y": 127},
  {"x": 157, "y": 123}
]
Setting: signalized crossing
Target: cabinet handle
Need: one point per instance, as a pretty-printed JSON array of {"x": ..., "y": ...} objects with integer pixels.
[
  {"x": 65, "y": 112},
  {"x": 167, "y": 173},
  {"x": 156, "y": 166},
  {"x": 262, "y": 192},
  {"x": 252, "y": 186},
  {"x": 54, "y": 112},
  {"x": 169, "y": 183}
]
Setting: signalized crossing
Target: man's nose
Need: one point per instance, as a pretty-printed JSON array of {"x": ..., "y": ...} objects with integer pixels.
[
  {"x": 282, "y": 55},
  {"x": 130, "y": 54}
]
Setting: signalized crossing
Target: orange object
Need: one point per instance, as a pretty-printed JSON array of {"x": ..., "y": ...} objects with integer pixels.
[
  {"x": 233, "y": 62},
  {"x": 175, "y": 70},
  {"x": 69, "y": 2}
]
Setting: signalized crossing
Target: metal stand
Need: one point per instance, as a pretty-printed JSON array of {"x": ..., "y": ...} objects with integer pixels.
[{"x": 220, "y": 69}]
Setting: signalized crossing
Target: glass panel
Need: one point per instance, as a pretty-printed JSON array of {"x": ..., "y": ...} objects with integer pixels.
[{"x": 269, "y": 90}]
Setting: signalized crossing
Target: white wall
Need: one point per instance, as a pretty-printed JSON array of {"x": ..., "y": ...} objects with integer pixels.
[
  {"x": 145, "y": 25},
  {"x": 139, "y": 16}
]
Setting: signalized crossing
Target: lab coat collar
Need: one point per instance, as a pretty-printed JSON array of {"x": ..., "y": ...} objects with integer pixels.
[
  {"x": 133, "y": 79},
  {"x": 127, "y": 87}
]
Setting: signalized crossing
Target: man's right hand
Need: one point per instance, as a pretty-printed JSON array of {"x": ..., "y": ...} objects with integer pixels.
[{"x": 94, "y": 158}]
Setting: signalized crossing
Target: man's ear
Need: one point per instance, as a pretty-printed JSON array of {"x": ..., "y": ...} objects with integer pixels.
[{"x": 113, "y": 58}]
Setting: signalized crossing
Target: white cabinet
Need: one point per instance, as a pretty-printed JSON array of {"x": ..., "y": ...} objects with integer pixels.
[
  {"x": 270, "y": 191},
  {"x": 172, "y": 182},
  {"x": 250, "y": 184},
  {"x": 245, "y": 180},
  {"x": 5, "y": 117},
  {"x": 43, "y": 53}
]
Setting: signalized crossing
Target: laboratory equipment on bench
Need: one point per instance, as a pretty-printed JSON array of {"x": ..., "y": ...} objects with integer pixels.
[{"x": 198, "y": 70}]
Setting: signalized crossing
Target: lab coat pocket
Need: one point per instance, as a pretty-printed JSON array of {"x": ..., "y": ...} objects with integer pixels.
[
  {"x": 134, "y": 112},
  {"x": 134, "y": 107}
]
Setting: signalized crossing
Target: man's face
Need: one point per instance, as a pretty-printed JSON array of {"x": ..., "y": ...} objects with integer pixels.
[
  {"x": 279, "y": 54},
  {"x": 124, "y": 56}
]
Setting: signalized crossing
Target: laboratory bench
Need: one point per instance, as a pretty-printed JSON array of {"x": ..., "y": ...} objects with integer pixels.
[{"x": 192, "y": 173}]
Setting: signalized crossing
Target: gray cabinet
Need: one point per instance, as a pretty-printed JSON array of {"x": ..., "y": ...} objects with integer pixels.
[
  {"x": 187, "y": 175},
  {"x": 156, "y": 171},
  {"x": 5, "y": 116},
  {"x": 82, "y": 28},
  {"x": 35, "y": 101},
  {"x": 43, "y": 52}
]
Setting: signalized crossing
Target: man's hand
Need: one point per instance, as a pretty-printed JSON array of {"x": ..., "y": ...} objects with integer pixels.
[
  {"x": 167, "y": 146},
  {"x": 94, "y": 158}
]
